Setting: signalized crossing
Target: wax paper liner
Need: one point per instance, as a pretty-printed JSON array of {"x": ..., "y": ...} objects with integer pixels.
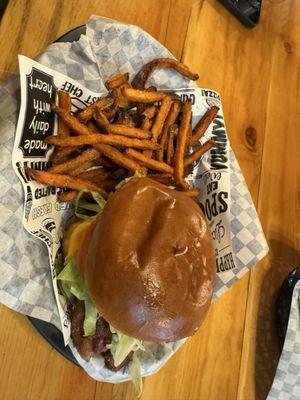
[{"x": 107, "y": 48}]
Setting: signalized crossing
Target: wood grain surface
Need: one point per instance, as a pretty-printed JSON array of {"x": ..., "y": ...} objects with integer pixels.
[{"x": 235, "y": 353}]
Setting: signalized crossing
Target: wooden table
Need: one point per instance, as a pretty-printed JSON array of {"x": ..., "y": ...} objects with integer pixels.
[{"x": 234, "y": 354}]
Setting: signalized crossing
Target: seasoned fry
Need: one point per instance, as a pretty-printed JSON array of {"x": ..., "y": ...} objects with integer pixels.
[
  {"x": 170, "y": 120},
  {"x": 70, "y": 165},
  {"x": 100, "y": 118},
  {"x": 146, "y": 124},
  {"x": 166, "y": 179},
  {"x": 149, "y": 112},
  {"x": 92, "y": 127},
  {"x": 192, "y": 192},
  {"x": 120, "y": 100},
  {"x": 142, "y": 96},
  {"x": 71, "y": 121},
  {"x": 62, "y": 154},
  {"x": 47, "y": 178},
  {"x": 187, "y": 145},
  {"x": 198, "y": 153},
  {"x": 182, "y": 137},
  {"x": 149, "y": 162},
  {"x": 95, "y": 174},
  {"x": 102, "y": 103},
  {"x": 159, "y": 122},
  {"x": 67, "y": 196},
  {"x": 151, "y": 89},
  {"x": 124, "y": 118},
  {"x": 203, "y": 124},
  {"x": 170, "y": 146},
  {"x": 64, "y": 102},
  {"x": 96, "y": 138},
  {"x": 160, "y": 118},
  {"x": 85, "y": 166},
  {"x": 117, "y": 81},
  {"x": 100, "y": 146},
  {"x": 124, "y": 130},
  {"x": 141, "y": 107},
  {"x": 139, "y": 81},
  {"x": 119, "y": 158}
]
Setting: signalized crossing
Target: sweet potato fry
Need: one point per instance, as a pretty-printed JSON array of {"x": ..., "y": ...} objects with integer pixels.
[
  {"x": 170, "y": 145},
  {"x": 100, "y": 119},
  {"x": 182, "y": 137},
  {"x": 149, "y": 162},
  {"x": 139, "y": 81},
  {"x": 64, "y": 102},
  {"x": 192, "y": 192},
  {"x": 62, "y": 154},
  {"x": 170, "y": 121},
  {"x": 141, "y": 107},
  {"x": 102, "y": 103},
  {"x": 164, "y": 178},
  {"x": 117, "y": 81},
  {"x": 159, "y": 122},
  {"x": 74, "y": 163},
  {"x": 47, "y": 178},
  {"x": 124, "y": 130},
  {"x": 198, "y": 153},
  {"x": 67, "y": 196},
  {"x": 146, "y": 124},
  {"x": 142, "y": 96},
  {"x": 95, "y": 174},
  {"x": 85, "y": 166},
  {"x": 160, "y": 118},
  {"x": 71, "y": 121},
  {"x": 110, "y": 112},
  {"x": 124, "y": 118},
  {"x": 95, "y": 138},
  {"x": 121, "y": 101},
  {"x": 203, "y": 124},
  {"x": 149, "y": 112},
  {"x": 119, "y": 158}
]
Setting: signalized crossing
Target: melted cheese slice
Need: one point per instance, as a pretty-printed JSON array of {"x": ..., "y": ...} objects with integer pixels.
[{"x": 74, "y": 238}]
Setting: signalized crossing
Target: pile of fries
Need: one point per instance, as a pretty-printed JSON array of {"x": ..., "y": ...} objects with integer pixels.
[{"x": 131, "y": 129}]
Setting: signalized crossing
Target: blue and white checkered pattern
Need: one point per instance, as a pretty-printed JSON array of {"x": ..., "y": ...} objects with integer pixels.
[
  {"x": 107, "y": 48},
  {"x": 286, "y": 385}
]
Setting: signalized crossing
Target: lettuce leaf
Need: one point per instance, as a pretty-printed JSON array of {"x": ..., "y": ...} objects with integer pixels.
[
  {"x": 136, "y": 376},
  {"x": 83, "y": 207},
  {"x": 91, "y": 316},
  {"x": 73, "y": 285},
  {"x": 136, "y": 175},
  {"x": 122, "y": 345}
]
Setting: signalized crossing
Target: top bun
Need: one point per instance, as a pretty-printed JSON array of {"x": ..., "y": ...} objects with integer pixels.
[{"x": 149, "y": 263}]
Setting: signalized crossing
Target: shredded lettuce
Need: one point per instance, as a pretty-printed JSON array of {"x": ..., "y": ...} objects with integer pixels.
[
  {"x": 82, "y": 206},
  {"x": 73, "y": 285},
  {"x": 136, "y": 175},
  {"x": 91, "y": 316},
  {"x": 122, "y": 345},
  {"x": 136, "y": 376}
]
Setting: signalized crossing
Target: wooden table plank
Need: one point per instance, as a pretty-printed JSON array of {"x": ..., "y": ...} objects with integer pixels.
[
  {"x": 28, "y": 26},
  {"x": 278, "y": 202}
]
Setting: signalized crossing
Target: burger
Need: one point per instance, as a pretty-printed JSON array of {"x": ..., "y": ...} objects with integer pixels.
[{"x": 140, "y": 271}]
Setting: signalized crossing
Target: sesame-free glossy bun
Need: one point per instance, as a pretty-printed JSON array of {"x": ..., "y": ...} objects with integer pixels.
[{"x": 149, "y": 263}]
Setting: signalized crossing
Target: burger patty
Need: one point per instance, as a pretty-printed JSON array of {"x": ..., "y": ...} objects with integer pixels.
[{"x": 95, "y": 345}]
